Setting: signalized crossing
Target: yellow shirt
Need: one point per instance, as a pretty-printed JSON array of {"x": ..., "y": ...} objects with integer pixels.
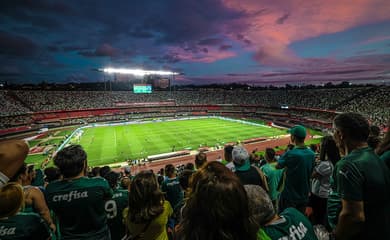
[{"x": 157, "y": 229}]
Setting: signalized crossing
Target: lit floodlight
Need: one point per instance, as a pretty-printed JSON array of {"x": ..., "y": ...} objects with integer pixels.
[{"x": 137, "y": 72}]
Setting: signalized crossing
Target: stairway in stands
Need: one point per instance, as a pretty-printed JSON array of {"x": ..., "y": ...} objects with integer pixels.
[
  {"x": 358, "y": 94},
  {"x": 16, "y": 98}
]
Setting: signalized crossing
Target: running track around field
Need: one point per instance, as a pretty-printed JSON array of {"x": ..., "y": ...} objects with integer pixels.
[{"x": 211, "y": 156}]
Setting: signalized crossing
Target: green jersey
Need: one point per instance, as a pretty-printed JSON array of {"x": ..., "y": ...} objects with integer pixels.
[
  {"x": 174, "y": 194},
  {"x": 79, "y": 206},
  {"x": 291, "y": 225},
  {"x": 300, "y": 164},
  {"x": 23, "y": 226},
  {"x": 386, "y": 158},
  {"x": 333, "y": 206},
  {"x": 363, "y": 177},
  {"x": 114, "y": 208},
  {"x": 274, "y": 177}
]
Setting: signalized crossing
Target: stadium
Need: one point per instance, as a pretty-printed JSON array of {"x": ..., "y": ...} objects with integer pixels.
[{"x": 192, "y": 120}]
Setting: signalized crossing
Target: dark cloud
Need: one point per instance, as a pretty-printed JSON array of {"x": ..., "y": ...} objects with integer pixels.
[
  {"x": 210, "y": 41},
  {"x": 104, "y": 50},
  {"x": 15, "y": 45},
  {"x": 169, "y": 58},
  {"x": 283, "y": 18},
  {"x": 38, "y": 6},
  {"x": 225, "y": 47}
]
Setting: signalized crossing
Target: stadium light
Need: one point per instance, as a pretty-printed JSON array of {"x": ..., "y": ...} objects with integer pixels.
[{"x": 137, "y": 72}]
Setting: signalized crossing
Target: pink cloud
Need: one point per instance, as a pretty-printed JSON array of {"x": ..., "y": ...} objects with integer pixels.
[{"x": 273, "y": 25}]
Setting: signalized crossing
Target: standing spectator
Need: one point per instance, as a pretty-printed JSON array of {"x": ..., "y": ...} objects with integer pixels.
[
  {"x": 363, "y": 181},
  {"x": 15, "y": 224},
  {"x": 244, "y": 171},
  {"x": 171, "y": 186},
  {"x": 274, "y": 176},
  {"x": 299, "y": 164},
  {"x": 289, "y": 224},
  {"x": 320, "y": 185},
  {"x": 115, "y": 206},
  {"x": 200, "y": 160},
  {"x": 228, "y": 161},
  {"x": 78, "y": 201},
  {"x": 12, "y": 156},
  {"x": 147, "y": 215},
  {"x": 217, "y": 207},
  {"x": 384, "y": 148}
]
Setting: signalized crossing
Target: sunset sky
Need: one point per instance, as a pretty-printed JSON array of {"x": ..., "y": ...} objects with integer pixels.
[{"x": 209, "y": 41}]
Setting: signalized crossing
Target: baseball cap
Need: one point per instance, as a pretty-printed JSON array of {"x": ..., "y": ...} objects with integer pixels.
[
  {"x": 298, "y": 131},
  {"x": 240, "y": 158}
]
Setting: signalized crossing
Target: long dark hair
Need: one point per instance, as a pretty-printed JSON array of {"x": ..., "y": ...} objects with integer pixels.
[
  {"x": 385, "y": 144},
  {"x": 217, "y": 207},
  {"x": 329, "y": 150},
  {"x": 146, "y": 201}
]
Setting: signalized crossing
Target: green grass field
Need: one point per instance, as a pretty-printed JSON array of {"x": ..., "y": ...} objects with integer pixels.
[{"x": 110, "y": 144}]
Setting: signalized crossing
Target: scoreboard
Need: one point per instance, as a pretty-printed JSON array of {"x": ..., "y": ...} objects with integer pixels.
[{"x": 142, "y": 88}]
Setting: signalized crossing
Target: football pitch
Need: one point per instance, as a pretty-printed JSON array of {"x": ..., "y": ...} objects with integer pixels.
[{"x": 114, "y": 144}]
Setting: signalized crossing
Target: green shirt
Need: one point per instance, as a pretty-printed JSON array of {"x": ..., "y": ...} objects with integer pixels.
[
  {"x": 386, "y": 158},
  {"x": 273, "y": 177},
  {"x": 292, "y": 225},
  {"x": 300, "y": 164},
  {"x": 79, "y": 207},
  {"x": 334, "y": 201},
  {"x": 173, "y": 192},
  {"x": 114, "y": 208},
  {"x": 157, "y": 229},
  {"x": 23, "y": 226},
  {"x": 362, "y": 176}
]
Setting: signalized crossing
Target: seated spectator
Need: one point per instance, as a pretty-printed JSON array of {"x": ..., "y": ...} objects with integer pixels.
[
  {"x": 13, "y": 223},
  {"x": 200, "y": 160},
  {"x": 274, "y": 176},
  {"x": 51, "y": 174},
  {"x": 216, "y": 208},
  {"x": 115, "y": 206},
  {"x": 289, "y": 224},
  {"x": 104, "y": 170},
  {"x": 12, "y": 156},
  {"x": 147, "y": 214},
  {"x": 95, "y": 172},
  {"x": 189, "y": 166},
  {"x": 244, "y": 171},
  {"x": 78, "y": 201},
  {"x": 34, "y": 200}
]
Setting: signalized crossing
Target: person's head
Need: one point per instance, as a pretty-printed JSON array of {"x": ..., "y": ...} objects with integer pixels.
[
  {"x": 261, "y": 208},
  {"x": 200, "y": 159},
  {"x": 125, "y": 182},
  {"x": 127, "y": 170},
  {"x": 385, "y": 144},
  {"x": 350, "y": 129},
  {"x": 240, "y": 158},
  {"x": 96, "y": 171},
  {"x": 373, "y": 141},
  {"x": 298, "y": 134},
  {"x": 22, "y": 176},
  {"x": 112, "y": 179},
  {"x": 31, "y": 171},
  {"x": 104, "y": 170},
  {"x": 269, "y": 154},
  {"x": 11, "y": 199},
  {"x": 184, "y": 178},
  {"x": 218, "y": 199},
  {"x": 329, "y": 150},
  {"x": 170, "y": 170},
  {"x": 52, "y": 174},
  {"x": 375, "y": 131},
  {"x": 254, "y": 158},
  {"x": 71, "y": 160},
  {"x": 145, "y": 198},
  {"x": 227, "y": 153},
  {"x": 189, "y": 166}
]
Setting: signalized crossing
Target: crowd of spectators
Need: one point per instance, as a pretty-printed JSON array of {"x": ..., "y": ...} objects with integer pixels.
[
  {"x": 372, "y": 102},
  {"x": 317, "y": 192}
]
